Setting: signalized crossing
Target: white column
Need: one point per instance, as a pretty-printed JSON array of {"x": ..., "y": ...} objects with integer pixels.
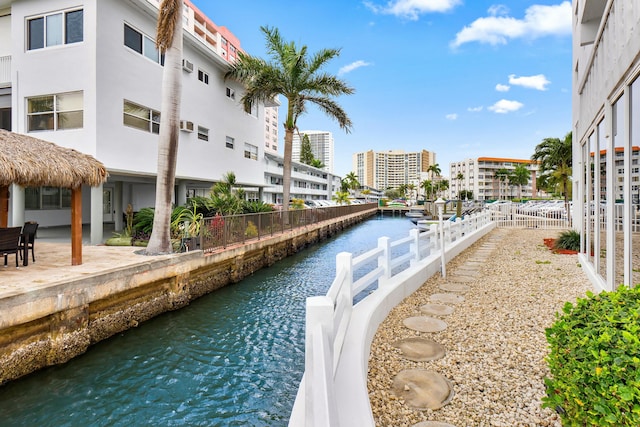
[
  {"x": 16, "y": 206},
  {"x": 181, "y": 194},
  {"x": 118, "y": 206},
  {"x": 96, "y": 215}
]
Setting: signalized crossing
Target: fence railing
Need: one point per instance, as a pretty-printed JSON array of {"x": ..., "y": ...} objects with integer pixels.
[
  {"x": 329, "y": 317},
  {"x": 221, "y": 231},
  {"x": 517, "y": 216}
]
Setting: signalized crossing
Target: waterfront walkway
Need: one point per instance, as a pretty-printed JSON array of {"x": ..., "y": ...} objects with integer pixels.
[{"x": 488, "y": 317}]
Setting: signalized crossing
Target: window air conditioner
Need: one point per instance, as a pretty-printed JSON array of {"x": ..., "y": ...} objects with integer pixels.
[
  {"x": 186, "y": 126},
  {"x": 187, "y": 66}
]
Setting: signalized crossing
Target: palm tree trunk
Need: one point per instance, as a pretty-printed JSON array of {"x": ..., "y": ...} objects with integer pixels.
[
  {"x": 286, "y": 169},
  {"x": 160, "y": 240}
]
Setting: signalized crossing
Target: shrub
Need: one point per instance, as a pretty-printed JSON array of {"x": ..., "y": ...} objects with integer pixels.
[
  {"x": 594, "y": 360},
  {"x": 251, "y": 230},
  {"x": 569, "y": 239}
]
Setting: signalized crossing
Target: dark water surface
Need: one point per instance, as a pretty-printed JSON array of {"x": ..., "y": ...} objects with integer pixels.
[{"x": 234, "y": 357}]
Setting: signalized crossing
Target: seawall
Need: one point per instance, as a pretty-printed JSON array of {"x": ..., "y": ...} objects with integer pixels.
[{"x": 58, "y": 321}]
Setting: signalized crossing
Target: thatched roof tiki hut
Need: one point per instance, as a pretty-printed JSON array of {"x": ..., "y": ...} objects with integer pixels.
[{"x": 32, "y": 162}]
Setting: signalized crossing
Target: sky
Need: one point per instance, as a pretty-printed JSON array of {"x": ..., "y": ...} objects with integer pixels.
[{"x": 461, "y": 78}]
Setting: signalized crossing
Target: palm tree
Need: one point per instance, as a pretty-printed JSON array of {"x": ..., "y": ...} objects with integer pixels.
[
  {"x": 459, "y": 178},
  {"x": 169, "y": 41},
  {"x": 366, "y": 193},
  {"x": 520, "y": 176},
  {"x": 435, "y": 170},
  {"x": 503, "y": 174},
  {"x": 352, "y": 181},
  {"x": 297, "y": 76},
  {"x": 427, "y": 186},
  {"x": 555, "y": 160}
]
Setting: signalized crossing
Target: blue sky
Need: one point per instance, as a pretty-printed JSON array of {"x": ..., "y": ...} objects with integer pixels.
[{"x": 462, "y": 78}]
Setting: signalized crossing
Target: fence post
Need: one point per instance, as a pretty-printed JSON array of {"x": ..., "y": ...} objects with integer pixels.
[
  {"x": 384, "y": 260},
  {"x": 414, "y": 248}
]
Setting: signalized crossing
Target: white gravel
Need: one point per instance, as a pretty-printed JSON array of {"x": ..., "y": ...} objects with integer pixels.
[{"x": 495, "y": 340}]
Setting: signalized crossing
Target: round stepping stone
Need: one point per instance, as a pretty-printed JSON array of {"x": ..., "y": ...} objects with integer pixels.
[
  {"x": 432, "y": 424},
  {"x": 425, "y": 324},
  {"x": 447, "y": 298},
  {"x": 436, "y": 309},
  {"x": 460, "y": 278},
  {"x": 420, "y": 349},
  {"x": 454, "y": 287},
  {"x": 422, "y": 389}
]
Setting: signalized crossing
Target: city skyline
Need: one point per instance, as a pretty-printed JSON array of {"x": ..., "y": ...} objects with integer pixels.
[{"x": 461, "y": 79}]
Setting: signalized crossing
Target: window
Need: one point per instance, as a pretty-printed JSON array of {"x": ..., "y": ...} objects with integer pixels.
[
  {"x": 203, "y": 133},
  {"x": 229, "y": 142},
  {"x": 250, "y": 151},
  {"x": 140, "y": 117},
  {"x": 55, "y": 29},
  {"x": 55, "y": 112},
  {"x": 203, "y": 77},
  {"x": 36, "y": 198},
  {"x": 231, "y": 93},
  {"x": 251, "y": 109},
  {"x": 142, "y": 44}
]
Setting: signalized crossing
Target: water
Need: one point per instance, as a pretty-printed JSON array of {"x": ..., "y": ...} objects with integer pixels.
[{"x": 232, "y": 358}]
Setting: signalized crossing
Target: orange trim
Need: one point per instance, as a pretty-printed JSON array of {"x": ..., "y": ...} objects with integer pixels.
[
  {"x": 616, "y": 150},
  {"x": 498, "y": 159}
]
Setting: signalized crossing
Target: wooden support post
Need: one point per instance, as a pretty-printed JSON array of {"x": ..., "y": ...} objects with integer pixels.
[
  {"x": 76, "y": 226},
  {"x": 4, "y": 206}
]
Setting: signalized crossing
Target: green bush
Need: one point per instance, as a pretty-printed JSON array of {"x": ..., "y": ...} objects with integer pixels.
[
  {"x": 569, "y": 239},
  {"x": 594, "y": 360}
]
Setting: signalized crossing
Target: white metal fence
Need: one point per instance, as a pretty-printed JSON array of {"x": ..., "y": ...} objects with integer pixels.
[
  {"x": 544, "y": 215},
  {"x": 330, "y": 318}
]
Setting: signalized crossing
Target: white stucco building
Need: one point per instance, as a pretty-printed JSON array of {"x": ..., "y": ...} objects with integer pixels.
[
  {"x": 606, "y": 138},
  {"x": 321, "y": 146},
  {"x": 86, "y": 75}
]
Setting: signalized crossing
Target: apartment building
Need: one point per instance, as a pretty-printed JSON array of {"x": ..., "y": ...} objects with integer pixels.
[
  {"x": 307, "y": 182},
  {"x": 322, "y": 147},
  {"x": 606, "y": 137},
  {"x": 86, "y": 75},
  {"x": 391, "y": 169},
  {"x": 479, "y": 176}
]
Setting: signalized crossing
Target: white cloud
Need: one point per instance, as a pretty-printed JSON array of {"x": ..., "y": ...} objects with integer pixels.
[
  {"x": 502, "y": 88},
  {"x": 412, "y": 9},
  {"x": 539, "y": 21},
  {"x": 451, "y": 116},
  {"x": 539, "y": 81},
  {"x": 505, "y": 106},
  {"x": 475, "y": 109},
  {"x": 354, "y": 65}
]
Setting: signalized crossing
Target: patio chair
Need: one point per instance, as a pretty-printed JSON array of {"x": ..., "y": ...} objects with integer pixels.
[
  {"x": 10, "y": 242},
  {"x": 28, "y": 239}
]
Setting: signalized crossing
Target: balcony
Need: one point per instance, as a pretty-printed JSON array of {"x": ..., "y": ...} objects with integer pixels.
[{"x": 5, "y": 71}]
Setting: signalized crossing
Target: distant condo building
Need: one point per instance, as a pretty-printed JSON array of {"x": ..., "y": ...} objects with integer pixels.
[
  {"x": 479, "y": 177},
  {"x": 321, "y": 147},
  {"x": 391, "y": 169}
]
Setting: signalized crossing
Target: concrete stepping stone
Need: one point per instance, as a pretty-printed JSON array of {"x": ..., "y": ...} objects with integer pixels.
[
  {"x": 454, "y": 287},
  {"x": 422, "y": 389},
  {"x": 420, "y": 349},
  {"x": 432, "y": 424},
  {"x": 470, "y": 271},
  {"x": 437, "y": 309},
  {"x": 447, "y": 298},
  {"x": 425, "y": 324},
  {"x": 459, "y": 278}
]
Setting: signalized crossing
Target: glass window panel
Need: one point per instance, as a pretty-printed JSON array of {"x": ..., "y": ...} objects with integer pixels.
[
  {"x": 40, "y": 122},
  {"x": 136, "y": 122},
  {"x": 40, "y": 104},
  {"x": 155, "y": 128},
  {"x": 136, "y": 110},
  {"x": 132, "y": 39},
  {"x": 150, "y": 50},
  {"x": 70, "y": 120},
  {"x": 50, "y": 198},
  {"x": 69, "y": 101},
  {"x": 66, "y": 197},
  {"x": 36, "y": 33},
  {"x": 32, "y": 198},
  {"x": 74, "y": 26},
  {"x": 54, "y": 29}
]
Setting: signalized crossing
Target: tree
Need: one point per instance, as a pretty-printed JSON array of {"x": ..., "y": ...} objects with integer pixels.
[
  {"x": 366, "y": 193},
  {"x": 296, "y": 75},
  {"x": 427, "y": 186},
  {"x": 459, "y": 178},
  {"x": 306, "y": 155},
  {"x": 168, "y": 41},
  {"x": 555, "y": 161},
  {"x": 435, "y": 170},
  {"x": 317, "y": 163},
  {"x": 520, "y": 176},
  {"x": 352, "y": 182},
  {"x": 503, "y": 174}
]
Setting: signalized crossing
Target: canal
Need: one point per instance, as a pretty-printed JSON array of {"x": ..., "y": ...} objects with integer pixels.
[{"x": 234, "y": 357}]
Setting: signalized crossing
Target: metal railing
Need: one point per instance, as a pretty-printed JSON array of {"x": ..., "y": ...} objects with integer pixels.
[
  {"x": 222, "y": 231},
  {"x": 515, "y": 215}
]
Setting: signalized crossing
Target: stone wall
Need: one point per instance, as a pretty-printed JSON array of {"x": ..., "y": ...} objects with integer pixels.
[{"x": 57, "y": 323}]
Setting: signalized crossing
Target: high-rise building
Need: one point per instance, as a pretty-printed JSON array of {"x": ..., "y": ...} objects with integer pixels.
[
  {"x": 321, "y": 146},
  {"x": 271, "y": 130},
  {"x": 391, "y": 169}
]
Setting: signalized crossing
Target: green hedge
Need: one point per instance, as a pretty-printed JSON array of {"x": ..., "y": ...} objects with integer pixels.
[{"x": 595, "y": 360}]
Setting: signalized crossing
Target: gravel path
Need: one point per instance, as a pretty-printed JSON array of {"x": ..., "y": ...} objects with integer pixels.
[{"x": 495, "y": 341}]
